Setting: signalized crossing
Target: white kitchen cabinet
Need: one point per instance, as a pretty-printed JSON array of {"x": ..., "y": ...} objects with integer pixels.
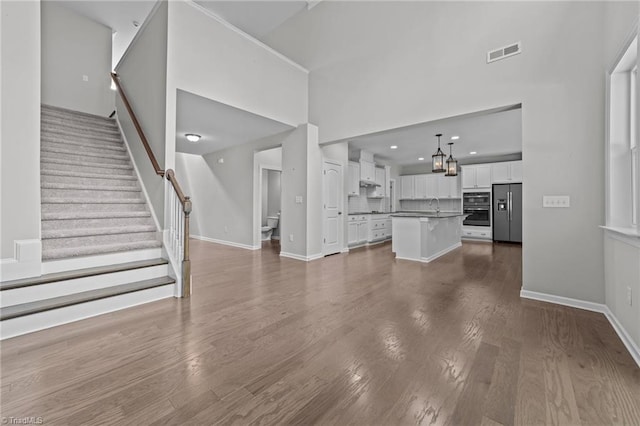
[
  {"x": 448, "y": 186},
  {"x": 380, "y": 180},
  {"x": 367, "y": 172},
  {"x": 506, "y": 172},
  {"x": 432, "y": 186},
  {"x": 363, "y": 232},
  {"x": 407, "y": 187},
  {"x": 420, "y": 191},
  {"x": 352, "y": 233},
  {"x": 354, "y": 178},
  {"x": 476, "y": 176}
]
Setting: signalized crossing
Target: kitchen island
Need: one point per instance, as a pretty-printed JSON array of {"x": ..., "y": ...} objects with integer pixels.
[{"x": 424, "y": 237}]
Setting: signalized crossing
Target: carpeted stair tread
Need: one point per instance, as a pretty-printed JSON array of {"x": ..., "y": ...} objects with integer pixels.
[
  {"x": 66, "y": 200},
  {"x": 48, "y": 137},
  {"x": 85, "y": 187},
  {"x": 89, "y": 232},
  {"x": 68, "y": 252},
  {"x": 79, "y": 214},
  {"x": 85, "y": 153},
  {"x": 71, "y": 123},
  {"x": 16, "y": 311},
  {"x": 73, "y": 162},
  {"x": 72, "y": 174},
  {"x": 62, "y": 135},
  {"x": 50, "y": 109},
  {"x": 81, "y": 273},
  {"x": 93, "y": 147}
]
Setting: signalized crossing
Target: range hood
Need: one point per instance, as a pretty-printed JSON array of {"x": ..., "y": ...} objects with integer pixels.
[{"x": 366, "y": 183}]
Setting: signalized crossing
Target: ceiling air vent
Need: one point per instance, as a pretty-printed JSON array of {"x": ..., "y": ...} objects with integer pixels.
[{"x": 503, "y": 52}]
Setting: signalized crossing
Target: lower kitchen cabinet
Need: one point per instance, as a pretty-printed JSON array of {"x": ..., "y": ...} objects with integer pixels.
[
  {"x": 352, "y": 228},
  {"x": 368, "y": 229},
  {"x": 477, "y": 233}
]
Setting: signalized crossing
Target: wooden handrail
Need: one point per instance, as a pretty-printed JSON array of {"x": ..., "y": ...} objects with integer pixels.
[
  {"x": 185, "y": 201},
  {"x": 136, "y": 123}
]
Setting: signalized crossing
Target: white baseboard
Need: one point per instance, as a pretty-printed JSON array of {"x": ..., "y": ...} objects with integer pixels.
[
  {"x": 25, "y": 263},
  {"x": 440, "y": 253},
  {"x": 40, "y": 321},
  {"x": 71, "y": 264},
  {"x": 345, "y": 250},
  {"x": 300, "y": 257},
  {"x": 628, "y": 342},
  {"x": 565, "y": 301},
  {"x": 226, "y": 243}
]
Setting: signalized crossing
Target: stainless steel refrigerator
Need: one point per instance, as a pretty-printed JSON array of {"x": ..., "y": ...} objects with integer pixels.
[{"x": 507, "y": 212}]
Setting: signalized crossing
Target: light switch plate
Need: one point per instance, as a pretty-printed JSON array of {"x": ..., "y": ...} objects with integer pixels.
[
  {"x": 85, "y": 78},
  {"x": 298, "y": 199},
  {"x": 556, "y": 201}
]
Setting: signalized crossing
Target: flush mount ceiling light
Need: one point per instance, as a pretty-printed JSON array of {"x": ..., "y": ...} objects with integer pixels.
[
  {"x": 437, "y": 159},
  {"x": 473, "y": 153},
  {"x": 455, "y": 138},
  {"x": 452, "y": 163},
  {"x": 394, "y": 147},
  {"x": 192, "y": 137},
  {"x": 420, "y": 158}
]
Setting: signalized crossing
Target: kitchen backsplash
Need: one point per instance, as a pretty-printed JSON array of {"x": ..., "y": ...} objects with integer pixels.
[{"x": 364, "y": 204}]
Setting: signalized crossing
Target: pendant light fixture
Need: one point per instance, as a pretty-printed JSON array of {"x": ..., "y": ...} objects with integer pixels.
[
  {"x": 437, "y": 159},
  {"x": 452, "y": 163}
]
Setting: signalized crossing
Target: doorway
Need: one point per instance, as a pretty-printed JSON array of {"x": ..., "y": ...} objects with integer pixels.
[
  {"x": 332, "y": 218},
  {"x": 267, "y": 199}
]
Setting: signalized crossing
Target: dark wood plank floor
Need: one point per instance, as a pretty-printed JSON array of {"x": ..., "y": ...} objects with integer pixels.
[{"x": 349, "y": 339}]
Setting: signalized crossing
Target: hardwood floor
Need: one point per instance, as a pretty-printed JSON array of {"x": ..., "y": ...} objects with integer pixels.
[{"x": 349, "y": 339}]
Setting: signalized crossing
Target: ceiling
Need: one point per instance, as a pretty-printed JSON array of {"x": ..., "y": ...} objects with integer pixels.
[
  {"x": 221, "y": 126},
  {"x": 489, "y": 133},
  {"x": 117, "y": 15},
  {"x": 256, "y": 18}
]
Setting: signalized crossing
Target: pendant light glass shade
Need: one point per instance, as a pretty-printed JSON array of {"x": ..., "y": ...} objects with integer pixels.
[
  {"x": 437, "y": 159},
  {"x": 452, "y": 164}
]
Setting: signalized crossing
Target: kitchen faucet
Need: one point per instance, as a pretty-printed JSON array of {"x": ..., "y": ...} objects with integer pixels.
[{"x": 437, "y": 204}]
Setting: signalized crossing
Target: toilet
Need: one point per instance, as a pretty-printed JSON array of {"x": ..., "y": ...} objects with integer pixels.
[{"x": 272, "y": 223}]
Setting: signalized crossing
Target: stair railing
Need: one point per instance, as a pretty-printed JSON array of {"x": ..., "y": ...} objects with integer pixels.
[{"x": 180, "y": 204}]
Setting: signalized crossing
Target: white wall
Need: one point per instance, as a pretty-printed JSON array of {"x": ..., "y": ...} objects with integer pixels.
[
  {"x": 411, "y": 62},
  {"x": 74, "y": 46},
  {"x": 142, "y": 72},
  {"x": 20, "y": 134},
  {"x": 223, "y": 194}
]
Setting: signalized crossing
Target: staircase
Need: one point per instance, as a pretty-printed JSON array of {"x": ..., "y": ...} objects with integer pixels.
[
  {"x": 101, "y": 248},
  {"x": 91, "y": 200}
]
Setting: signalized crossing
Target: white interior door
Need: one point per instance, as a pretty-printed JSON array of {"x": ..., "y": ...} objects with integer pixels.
[{"x": 332, "y": 207}]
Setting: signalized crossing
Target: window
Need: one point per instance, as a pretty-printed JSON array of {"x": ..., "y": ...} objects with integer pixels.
[{"x": 622, "y": 155}]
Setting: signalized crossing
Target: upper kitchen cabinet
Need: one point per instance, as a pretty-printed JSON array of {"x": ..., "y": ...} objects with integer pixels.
[
  {"x": 506, "y": 172},
  {"x": 476, "y": 176},
  {"x": 407, "y": 187},
  {"x": 367, "y": 172},
  {"x": 354, "y": 179},
  {"x": 448, "y": 186},
  {"x": 378, "y": 191}
]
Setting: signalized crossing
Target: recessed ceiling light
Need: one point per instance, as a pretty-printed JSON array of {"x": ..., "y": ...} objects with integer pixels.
[
  {"x": 192, "y": 137},
  {"x": 394, "y": 147},
  {"x": 420, "y": 158},
  {"x": 455, "y": 138},
  {"x": 473, "y": 153}
]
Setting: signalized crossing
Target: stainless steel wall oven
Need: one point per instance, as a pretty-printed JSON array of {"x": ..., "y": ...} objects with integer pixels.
[{"x": 478, "y": 206}]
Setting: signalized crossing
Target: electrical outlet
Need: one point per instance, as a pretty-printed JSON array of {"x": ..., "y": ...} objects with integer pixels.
[
  {"x": 226, "y": 229},
  {"x": 556, "y": 201},
  {"x": 291, "y": 237},
  {"x": 629, "y": 296},
  {"x": 298, "y": 199}
]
